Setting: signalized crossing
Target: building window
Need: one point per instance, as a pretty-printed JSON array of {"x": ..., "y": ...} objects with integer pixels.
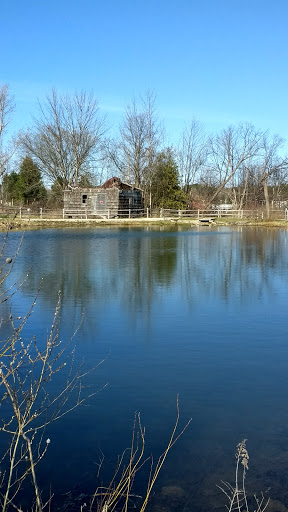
[{"x": 84, "y": 198}]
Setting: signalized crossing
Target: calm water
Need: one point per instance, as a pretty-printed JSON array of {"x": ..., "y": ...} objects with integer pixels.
[{"x": 198, "y": 313}]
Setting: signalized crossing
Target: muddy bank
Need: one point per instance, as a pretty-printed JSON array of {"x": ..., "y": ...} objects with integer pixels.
[{"x": 26, "y": 224}]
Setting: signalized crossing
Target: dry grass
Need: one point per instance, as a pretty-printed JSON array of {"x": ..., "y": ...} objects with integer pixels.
[
  {"x": 120, "y": 490},
  {"x": 236, "y": 494}
]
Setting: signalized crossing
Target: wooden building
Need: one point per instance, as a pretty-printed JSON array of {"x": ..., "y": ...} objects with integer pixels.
[{"x": 113, "y": 199}]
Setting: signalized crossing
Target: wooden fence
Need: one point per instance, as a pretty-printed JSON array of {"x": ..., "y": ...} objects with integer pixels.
[{"x": 163, "y": 213}]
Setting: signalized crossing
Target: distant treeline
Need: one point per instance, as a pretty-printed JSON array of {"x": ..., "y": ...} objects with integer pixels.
[{"x": 69, "y": 144}]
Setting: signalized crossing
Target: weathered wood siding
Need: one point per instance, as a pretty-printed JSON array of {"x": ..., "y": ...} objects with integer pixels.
[{"x": 97, "y": 202}]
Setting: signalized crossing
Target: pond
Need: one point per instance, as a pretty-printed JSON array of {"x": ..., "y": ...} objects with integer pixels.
[{"x": 199, "y": 313}]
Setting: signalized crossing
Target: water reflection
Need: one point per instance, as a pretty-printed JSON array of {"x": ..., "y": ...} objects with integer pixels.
[
  {"x": 237, "y": 264},
  {"x": 143, "y": 275},
  {"x": 199, "y": 312},
  {"x": 134, "y": 267}
]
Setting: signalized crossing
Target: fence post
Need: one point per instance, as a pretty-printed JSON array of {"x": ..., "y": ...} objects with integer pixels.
[
  {"x": 129, "y": 213},
  {"x": 20, "y": 212},
  {"x": 147, "y": 213},
  {"x": 161, "y": 213},
  {"x": 40, "y": 213},
  {"x": 63, "y": 213},
  {"x": 108, "y": 213},
  {"x": 179, "y": 213},
  {"x": 198, "y": 214}
]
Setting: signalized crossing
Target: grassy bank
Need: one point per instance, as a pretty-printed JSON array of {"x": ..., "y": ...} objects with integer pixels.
[{"x": 26, "y": 224}]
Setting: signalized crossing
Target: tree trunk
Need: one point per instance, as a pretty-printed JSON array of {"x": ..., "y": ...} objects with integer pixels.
[{"x": 266, "y": 195}]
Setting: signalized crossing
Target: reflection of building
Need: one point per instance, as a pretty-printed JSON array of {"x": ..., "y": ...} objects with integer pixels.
[{"x": 113, "y": 199}]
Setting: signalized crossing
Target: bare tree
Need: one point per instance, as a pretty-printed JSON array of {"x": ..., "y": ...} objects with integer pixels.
[
  {"x": 278, "y": 184},
  {"x": 238, "y": 193},
  {"x": 26, "y": 369},
  {"x": 140, "y": 134},
  {"x": 229, "y": 152},
  {"x": 7, "y": 107},
  {"x": 154, "y": 138},
  {"x": 67, "y": 136},
  {"x": 192, "y": 153},
  {"x": 271, "y": 164}
]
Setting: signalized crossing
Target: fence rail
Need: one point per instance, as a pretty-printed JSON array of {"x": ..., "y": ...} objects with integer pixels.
[{"x": 162, "y": 213}]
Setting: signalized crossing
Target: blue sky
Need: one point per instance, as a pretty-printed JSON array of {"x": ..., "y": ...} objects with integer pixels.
[{"x": 218, "y": 61}]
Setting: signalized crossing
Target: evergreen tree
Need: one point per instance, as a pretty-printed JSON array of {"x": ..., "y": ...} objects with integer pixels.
[
  {"x": 10, "y": 187},
  {"x": 29, "y": 186},
  {"x": 166, "y": 191}
]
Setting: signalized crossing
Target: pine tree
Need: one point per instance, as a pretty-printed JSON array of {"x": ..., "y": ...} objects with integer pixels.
[
  {"x": 10, "y": 187},
  {"x": 166, "y": 191},
  {"x": 29, "y": 186}
]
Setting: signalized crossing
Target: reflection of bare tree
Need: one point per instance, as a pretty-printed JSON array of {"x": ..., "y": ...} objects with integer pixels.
[
  {"x": 62, "y": 267},
  {"x": 93, "y": 268},
  {"x": 136, "y": 269},
  {"x": 237, "y": 263}
]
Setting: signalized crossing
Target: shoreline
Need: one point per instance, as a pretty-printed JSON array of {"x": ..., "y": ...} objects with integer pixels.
[{"x": 26, "y": 224}]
